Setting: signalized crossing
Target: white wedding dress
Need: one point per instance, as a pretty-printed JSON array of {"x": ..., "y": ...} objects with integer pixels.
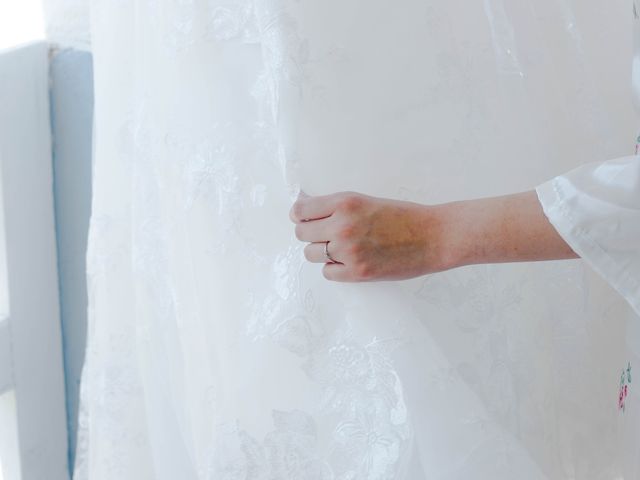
[{"x": 216, "y": 352}]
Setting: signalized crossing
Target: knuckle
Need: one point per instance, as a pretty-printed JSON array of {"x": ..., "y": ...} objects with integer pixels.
[
  {"x": 346, "y": 232},
  {"x": 355, "y": 250},
  {"x": 350, "y": 203},
  {"x": 364, "y": 271},
  {"x": 299, "y": 230},
  {"x": 355, "y": 253}
]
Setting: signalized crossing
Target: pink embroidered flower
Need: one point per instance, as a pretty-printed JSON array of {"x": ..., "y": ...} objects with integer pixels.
[{"x": 625, "y": 381}]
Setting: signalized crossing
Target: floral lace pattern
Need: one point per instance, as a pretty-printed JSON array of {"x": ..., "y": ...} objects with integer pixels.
[
  {"x": 216, "y": 352},
  {"x": 359, "y": 384}
]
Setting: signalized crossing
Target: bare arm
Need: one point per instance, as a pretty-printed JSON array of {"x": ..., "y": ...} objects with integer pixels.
[
  {"x": 379, "y": 239},
  {"x": 512, "y": 228}
]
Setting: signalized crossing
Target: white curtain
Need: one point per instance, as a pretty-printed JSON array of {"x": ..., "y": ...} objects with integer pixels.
[{"x": 216, "y": 353}]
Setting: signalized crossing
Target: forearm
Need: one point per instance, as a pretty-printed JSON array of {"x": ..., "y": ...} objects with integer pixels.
[
  {"x": 512, "y": 228},
  {"x": 361, "y": 238}
]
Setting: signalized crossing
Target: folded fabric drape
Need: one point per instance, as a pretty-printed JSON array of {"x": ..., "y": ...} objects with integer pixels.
[{"x": 216, "y": 352}]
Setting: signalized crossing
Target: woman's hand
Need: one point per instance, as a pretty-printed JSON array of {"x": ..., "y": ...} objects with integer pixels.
[
  {"x": 369, "y": 238},
  {"x": 377, "y": 239}
]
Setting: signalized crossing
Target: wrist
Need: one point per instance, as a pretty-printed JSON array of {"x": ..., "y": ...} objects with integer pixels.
[
  {"x": 443, "y": 242},
  {"x": 457, "y": 242}
]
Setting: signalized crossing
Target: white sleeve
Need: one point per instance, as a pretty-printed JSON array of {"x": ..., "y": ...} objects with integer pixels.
[{"x": 596, "y": 210}]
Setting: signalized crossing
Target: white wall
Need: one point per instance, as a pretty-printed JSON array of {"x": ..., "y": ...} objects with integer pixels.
[
  {"x": 21, "y": 21},
  {"x": 67, "y": 22}
]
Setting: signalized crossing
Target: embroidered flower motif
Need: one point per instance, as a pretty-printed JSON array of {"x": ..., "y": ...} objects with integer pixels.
[
  {"x": 360, "y": 387},
  {"x": 287, "y": 453},
  {"x": 232, "y": 19},
  {"x": 367, "y": 446},
  {"x": 291, "y": 448}
]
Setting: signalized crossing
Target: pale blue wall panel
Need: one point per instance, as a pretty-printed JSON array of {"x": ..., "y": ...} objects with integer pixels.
[{"x": 72, "y": 120}]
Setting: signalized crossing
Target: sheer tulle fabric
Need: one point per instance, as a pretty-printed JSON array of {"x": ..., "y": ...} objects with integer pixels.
[{"x": 216, "y": 352}]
